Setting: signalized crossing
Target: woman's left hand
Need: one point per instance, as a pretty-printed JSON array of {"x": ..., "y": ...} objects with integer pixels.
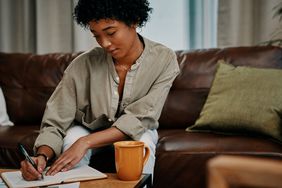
[{"x": 70, "y": 157}]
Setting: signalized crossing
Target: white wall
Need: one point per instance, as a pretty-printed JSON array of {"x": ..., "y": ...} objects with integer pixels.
[
  {"x": 83, "y": 38},
  {"x": 168, "y": 23}
]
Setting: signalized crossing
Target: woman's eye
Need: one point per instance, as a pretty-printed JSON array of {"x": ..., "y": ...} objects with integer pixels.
[{"x": 111, "y": 33}]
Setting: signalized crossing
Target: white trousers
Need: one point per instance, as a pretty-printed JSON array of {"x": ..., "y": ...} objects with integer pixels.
[{"x": 150, "y": 138}]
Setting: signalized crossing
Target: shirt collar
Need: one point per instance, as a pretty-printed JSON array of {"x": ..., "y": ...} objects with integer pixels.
[{"x": 145, "y": 53}]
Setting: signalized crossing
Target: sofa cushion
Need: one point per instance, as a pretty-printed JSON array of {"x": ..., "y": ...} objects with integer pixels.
[
  {"x": 28, "y": 80},
  {"x": 190, "y": 89},
  {"x": 243, "y": 100},
  {"x": 10, "y": 136}
]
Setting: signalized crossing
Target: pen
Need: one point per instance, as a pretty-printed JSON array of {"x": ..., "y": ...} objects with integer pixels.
[{"x": 27, "y": 157}]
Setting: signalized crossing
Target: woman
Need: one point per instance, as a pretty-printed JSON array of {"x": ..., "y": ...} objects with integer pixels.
[{"x": 111, "y": 93}]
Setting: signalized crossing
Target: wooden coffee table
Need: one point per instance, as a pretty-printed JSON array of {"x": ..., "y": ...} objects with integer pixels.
[{"x": 112, "y": 181}]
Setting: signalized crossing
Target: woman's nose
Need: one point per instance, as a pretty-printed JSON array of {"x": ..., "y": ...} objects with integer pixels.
[{"x": 105, "y": 43}]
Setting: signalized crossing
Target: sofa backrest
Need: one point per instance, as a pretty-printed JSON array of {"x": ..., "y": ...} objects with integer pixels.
[
  {"x": 28, "y": 80},
  {"x": 190, "y": 89}
]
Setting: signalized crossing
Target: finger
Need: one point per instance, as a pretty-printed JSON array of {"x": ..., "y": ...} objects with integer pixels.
[
  {"x": 57, "y": 167},
  {"x": 54, "y": 166},
  {"x": 25, "y": 174},
  {"x": 31, "y": 170},
  {"x": 69, "y": 166},
  {"x": 41, "y": 164},
  {"x": 28, "y": 172},
  {"x": 28, "y": 176}
]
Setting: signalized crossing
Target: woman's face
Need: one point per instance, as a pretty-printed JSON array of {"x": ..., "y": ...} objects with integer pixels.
[{"x": 114, "y": 36}]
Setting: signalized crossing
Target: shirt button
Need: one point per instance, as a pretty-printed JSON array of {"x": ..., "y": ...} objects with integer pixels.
[
  {"x": 117, "y": 78},
  {"x": 115, "y": 92}
]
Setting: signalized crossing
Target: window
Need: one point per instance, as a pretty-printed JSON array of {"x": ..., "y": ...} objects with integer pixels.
[{"x": 183, "y": 24}]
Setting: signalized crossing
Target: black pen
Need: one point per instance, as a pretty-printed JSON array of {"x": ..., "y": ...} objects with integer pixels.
[{"x": 28, "y": 158}]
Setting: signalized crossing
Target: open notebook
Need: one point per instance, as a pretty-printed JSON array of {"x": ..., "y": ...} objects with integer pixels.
[{"x": 14, "y": 179}]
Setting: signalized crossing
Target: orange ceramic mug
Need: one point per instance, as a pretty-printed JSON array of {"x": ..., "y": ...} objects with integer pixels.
[{"x": 130, "y": 159}]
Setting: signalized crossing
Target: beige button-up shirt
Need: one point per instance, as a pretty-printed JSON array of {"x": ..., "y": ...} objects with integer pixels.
[{"x": 89, "y": 88}]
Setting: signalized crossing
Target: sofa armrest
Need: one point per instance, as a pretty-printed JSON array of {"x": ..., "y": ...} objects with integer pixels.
[{"x": 229, "y": 171}]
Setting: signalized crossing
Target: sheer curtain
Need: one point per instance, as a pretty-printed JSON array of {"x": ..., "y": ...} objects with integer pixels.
[
  {"x": 168, "y": 23},
  {"x": 40, "y": 26},
  {"x": 183, "y": 24},
  {"x": 202, "y": 22},
  {"x": 247, "y": 22},
  {"x": 17, "y": 21}
]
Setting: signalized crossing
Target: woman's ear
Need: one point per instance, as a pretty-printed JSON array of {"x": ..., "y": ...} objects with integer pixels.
[{"x": 134, "y": 26}]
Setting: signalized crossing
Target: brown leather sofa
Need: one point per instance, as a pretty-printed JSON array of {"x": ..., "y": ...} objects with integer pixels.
[{"x": 27, "y": 81}]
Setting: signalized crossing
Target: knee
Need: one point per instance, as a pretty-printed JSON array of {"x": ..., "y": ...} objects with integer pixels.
[
  {"x": 150, "y": 139},
  {"x": 73, "y": 134}
]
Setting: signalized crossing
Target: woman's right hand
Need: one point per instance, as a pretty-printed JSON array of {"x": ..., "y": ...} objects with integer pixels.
[{"x": 29, "y": 172}]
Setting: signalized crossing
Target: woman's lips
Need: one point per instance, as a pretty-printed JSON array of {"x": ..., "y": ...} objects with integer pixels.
[{"x": 114, "y": 51}]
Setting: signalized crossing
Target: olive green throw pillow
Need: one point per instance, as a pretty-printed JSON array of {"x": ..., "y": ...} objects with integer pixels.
[{"x": 243, "y": 100}]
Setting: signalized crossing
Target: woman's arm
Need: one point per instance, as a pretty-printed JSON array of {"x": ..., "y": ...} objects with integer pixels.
[
  {"x": 143, "y": 114},
  {"x": 75, "y": 153}
]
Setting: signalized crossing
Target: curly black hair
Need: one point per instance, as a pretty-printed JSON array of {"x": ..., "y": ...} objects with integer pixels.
[{"x": 128, "y": 11}]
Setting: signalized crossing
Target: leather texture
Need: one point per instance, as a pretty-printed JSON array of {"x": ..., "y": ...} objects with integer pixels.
[{"x": 28, "y": 80}]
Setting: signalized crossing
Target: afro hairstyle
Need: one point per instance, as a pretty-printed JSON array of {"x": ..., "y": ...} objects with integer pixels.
[{"x": 128, "y": 11}]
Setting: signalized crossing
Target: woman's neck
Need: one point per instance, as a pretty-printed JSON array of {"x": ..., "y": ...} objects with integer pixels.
[{"x": 133, "y": 54}]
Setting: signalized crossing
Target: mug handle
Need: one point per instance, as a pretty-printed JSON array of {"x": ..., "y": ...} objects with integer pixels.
[{"x": 147, "y": 153}]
